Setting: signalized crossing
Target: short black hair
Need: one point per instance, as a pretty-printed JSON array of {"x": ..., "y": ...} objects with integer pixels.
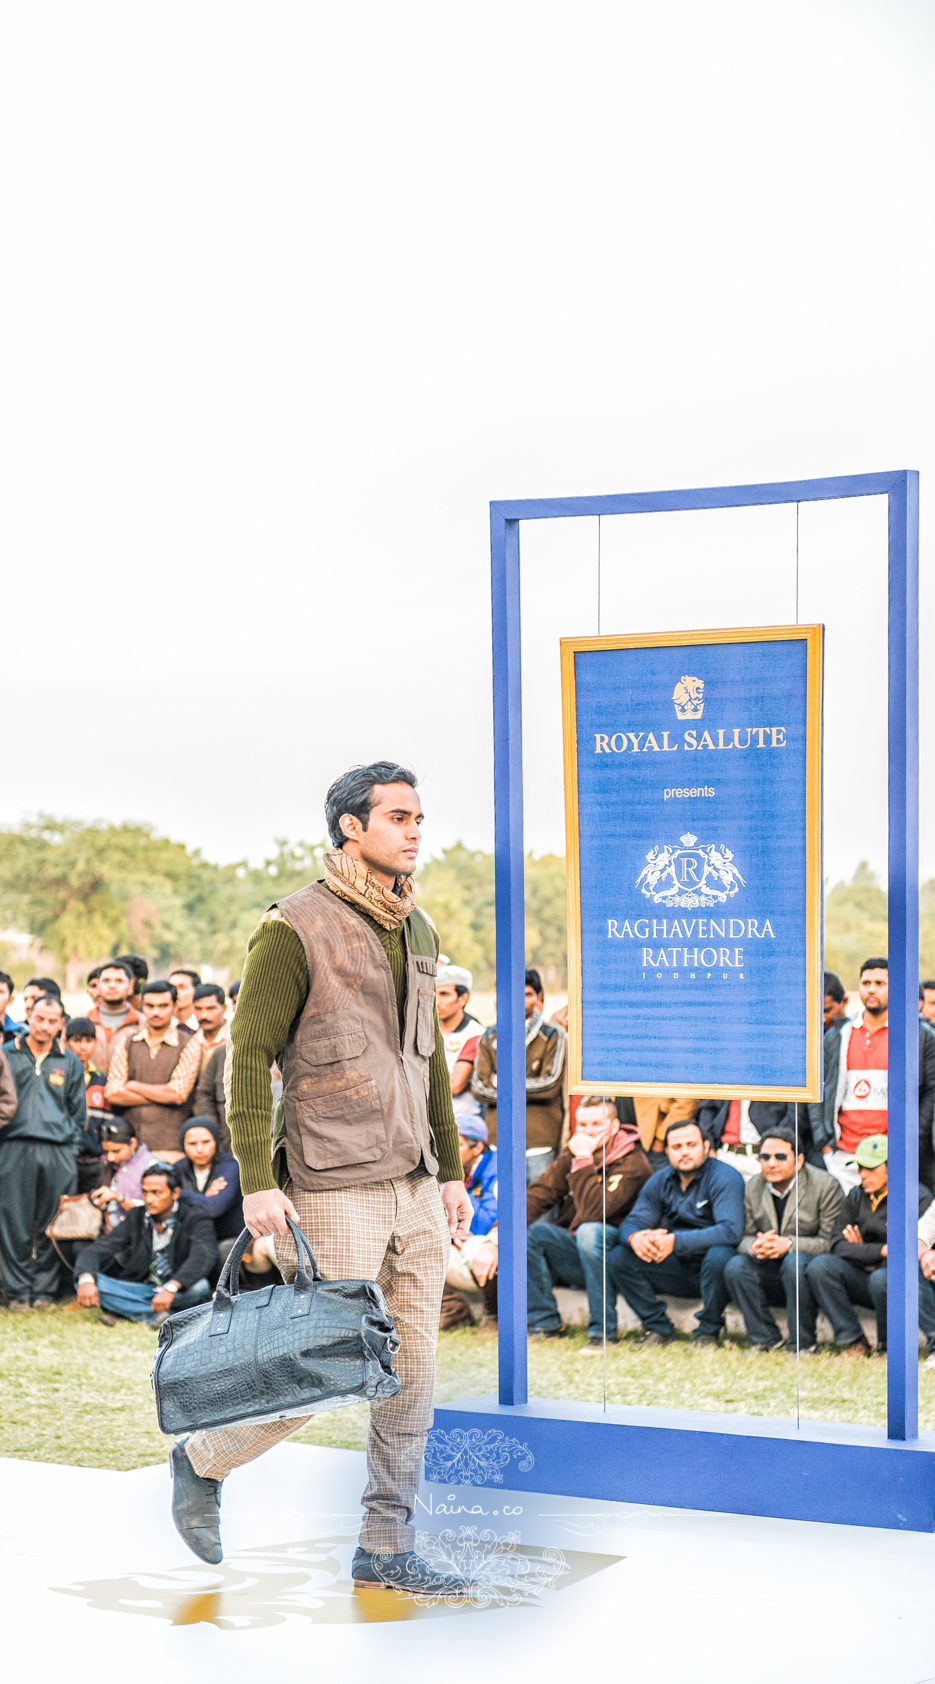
[
  {"x": 534, "y": 981},
  {"x": 47, "y": 1000},
  {"x": 46, "y": 983},
  {"x": 6, "y": 978},
  {"x": 138, "y": 966},
  {"x": 157, "y": 1167},
  {"x": 212, "y": 991},
  {"x": 118, "y": 1129},
  {"x": 114, "y": 965},
  {"x": 686, "y": 1123},
  {"x": 834, "y": 988},
  {"x": 80, "y": 1029},
  {"x": 874, "y": 965},
  {"x": 929, "y": 982},
  {"x": 234, "y": 989},
  {"x": 182, "y": 970},
  {"x": 785, "y": 1135},
  {"x": 94, "y": 973},
  {"x": 353, "y": 793},
  {"x": 157, "y": 986}
]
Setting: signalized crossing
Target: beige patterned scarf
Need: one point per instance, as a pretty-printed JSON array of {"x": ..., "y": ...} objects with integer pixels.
[{"x": 351, "y": 880}]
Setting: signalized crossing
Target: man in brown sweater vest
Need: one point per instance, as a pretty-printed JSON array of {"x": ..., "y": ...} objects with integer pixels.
[
  {"x": 152, "y": 1074},
  {"x": 339, "y": 989}
]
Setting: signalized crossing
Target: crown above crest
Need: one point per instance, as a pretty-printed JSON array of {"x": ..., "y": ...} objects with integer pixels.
[{"x": 688, "y": 839}]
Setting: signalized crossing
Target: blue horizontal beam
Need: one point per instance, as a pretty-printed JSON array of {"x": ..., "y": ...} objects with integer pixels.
[
  {"x": 732, "y": 1464},
  {"x": 703, "y": 497}
]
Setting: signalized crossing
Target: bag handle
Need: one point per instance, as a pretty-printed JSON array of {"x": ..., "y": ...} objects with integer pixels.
[{"x": 228, "y": 1287}]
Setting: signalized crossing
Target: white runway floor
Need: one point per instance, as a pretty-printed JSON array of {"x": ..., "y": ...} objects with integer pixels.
[{"x": 97, "y": 1585}]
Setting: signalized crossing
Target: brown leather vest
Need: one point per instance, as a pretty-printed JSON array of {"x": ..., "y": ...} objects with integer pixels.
[
  {"x": 354, "y": 1098},
  {"x": 156, "y": 1125}
]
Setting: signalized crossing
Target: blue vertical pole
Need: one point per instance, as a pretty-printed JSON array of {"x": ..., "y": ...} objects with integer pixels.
[
  {"x": 902, "y": 1200},
  {"x": 511, "y": 954}
]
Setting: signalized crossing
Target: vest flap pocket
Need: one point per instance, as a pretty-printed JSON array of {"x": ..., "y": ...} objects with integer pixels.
[
  {"x": 341, "y": 1128},
  {"x": 425, "y": 1022},
  {"x": 336, "y": 1042}
]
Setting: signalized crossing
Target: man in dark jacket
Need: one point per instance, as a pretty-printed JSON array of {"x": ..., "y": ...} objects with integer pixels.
[
  {"x": 594, "y": 1183},
  {"x": 210, "y": 1100},
  {"x": 155, "y": 1261},
  {"x": 37, "y": 1154},
  {"x": 854, "y": 1270},
  {"x": 680, "y": 1236}
]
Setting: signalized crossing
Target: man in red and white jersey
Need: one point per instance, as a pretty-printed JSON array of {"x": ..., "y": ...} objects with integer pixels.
[{"x": 460, "y": 1035}]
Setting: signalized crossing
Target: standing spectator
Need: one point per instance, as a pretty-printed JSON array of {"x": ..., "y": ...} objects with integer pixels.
[
  {"x": 140, "y": 973},
  {"x": 34, "y": 990},
  {"x": 854, "y": 1271},
  {"x": 185, "y": 983},
  {"x": 679, "y": 1237},
  {"x": 473, "y": 1263},
  {"x": 128, "y": 1160},
  {"x": 210, "y": 1095},
  {"x": 856, "y": 1059},
  {"x": 9, "y": 1098},
  {"x": 93, "y": 984},
  {"x": 594, "y": 1183},
  {"x": 154, "y": 1262},
  {"x": 9, "y": 1024},
  {"x": 927, "y": 1000},
  {"x": 211, "y": 1016},
  {"x": 37, "y": 1154},
  {"x": 210, "y": 1180},
  {"x": 113, "y": 1011},
  {"x": 790, "y": 1210},
  {"x": 232, "y": 994},
  {"x": 154, "y": 1071},
  {"x": 545, "y": 1065},
  {"x": 461, "y": 1034},
  {"x": 81, "y": 1039},
  {"x": 835, "y": 1000}
]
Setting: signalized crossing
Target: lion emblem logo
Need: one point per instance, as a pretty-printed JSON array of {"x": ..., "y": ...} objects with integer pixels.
[{"x": 688, "y": 697}]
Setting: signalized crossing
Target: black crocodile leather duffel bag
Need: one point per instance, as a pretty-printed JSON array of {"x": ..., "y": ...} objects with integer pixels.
[{"x": 276, "y": 1352}]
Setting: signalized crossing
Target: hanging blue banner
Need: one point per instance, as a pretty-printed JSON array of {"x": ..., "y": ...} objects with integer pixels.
[{"x": 693, "y": 805}]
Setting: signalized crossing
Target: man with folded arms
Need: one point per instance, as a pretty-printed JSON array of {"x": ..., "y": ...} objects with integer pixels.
[
  {"x": 153, "y": 1072},
  {"x": 339, "y": 990}
]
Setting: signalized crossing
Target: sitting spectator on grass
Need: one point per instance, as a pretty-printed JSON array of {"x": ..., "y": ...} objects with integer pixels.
[
  {"x": 474, "y": 1264},
  {"x": 790, "y": 1210},
  {"x": 155, "y": 1261},
  {"x": 210, "y": 1180},
  {"x": 679, "y": 1236},
  {"x": 593, "y": 1184},
  {"x": 127, "y": 1161},
  {"x": 854, "y": 1271}
]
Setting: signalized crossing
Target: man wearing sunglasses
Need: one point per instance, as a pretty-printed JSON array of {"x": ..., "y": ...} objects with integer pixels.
[{"x": 790, "y": 1210}]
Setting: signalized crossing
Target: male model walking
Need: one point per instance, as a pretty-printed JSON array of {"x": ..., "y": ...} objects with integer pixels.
[{"x": 339, "y": 989}]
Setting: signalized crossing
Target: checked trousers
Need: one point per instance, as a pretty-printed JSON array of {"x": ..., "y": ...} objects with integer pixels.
[{"x": 393, "y": 1232}]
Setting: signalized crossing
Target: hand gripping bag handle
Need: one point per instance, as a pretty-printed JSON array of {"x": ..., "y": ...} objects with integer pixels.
[{"x": 228, "y": 1287}]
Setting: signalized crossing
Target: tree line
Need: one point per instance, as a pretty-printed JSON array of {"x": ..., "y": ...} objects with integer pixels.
[{"x": 88, "y": 891}]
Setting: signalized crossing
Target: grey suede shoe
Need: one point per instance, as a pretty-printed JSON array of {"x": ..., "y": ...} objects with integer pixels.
[
  {"x": 404, "y": 1572},
  {"x": 196, "y": 1507}
]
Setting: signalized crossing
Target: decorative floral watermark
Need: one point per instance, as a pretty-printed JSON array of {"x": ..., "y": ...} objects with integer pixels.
[{"x": 472, "y": 1457}]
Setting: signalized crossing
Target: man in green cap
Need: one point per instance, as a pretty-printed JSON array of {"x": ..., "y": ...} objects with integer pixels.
[{"x": 854, "y": 1270}]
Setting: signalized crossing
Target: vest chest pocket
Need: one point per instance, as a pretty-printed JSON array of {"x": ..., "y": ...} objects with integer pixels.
[
  {"x": 334, "y": 1042},
  {"x": 425, "y": 1020}
]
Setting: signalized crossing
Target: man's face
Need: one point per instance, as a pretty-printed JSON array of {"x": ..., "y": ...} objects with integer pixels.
[
  {"x": 451, "y": 1004},
  {"x": 31, "y": 993},
  {"x": 873, "y": 1180},
  {"x": 210, "y": 1013},
  {"x": 158, "y": 1010},
  {"x": 391, "y": 840},
  {"x": 927, "y": 1007},
  {"x": 470, "y": 1151},
  {"x": 874, "y": 990},
  {"x": 118, "y": 1151},
  {"x": 45, "y": 1021},
  {"x": 777, "y": 1160},
  {"x": 158, "y": 1196},
  {"x": 687, "y": 1148},
  {"x": 115, "y": 987},
  {"x": 598, "y": 1122},
  {"x": 5, "y": 998},
  {"x": 82, "y": 1048},
  {"x": 833, "y": 1009},
  {"x": 185, "y": 990},
  {"x": 94, "y": 989},
  {"x": 534, "y": 1001}
]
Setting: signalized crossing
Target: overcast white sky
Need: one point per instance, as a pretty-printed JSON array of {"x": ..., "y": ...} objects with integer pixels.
[{"x": 290, "y": 291}]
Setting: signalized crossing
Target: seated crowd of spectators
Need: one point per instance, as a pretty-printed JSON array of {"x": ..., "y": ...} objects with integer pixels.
[
  {"x": 756, "y": 1203},
  {"x": 116, "y": 1174}
]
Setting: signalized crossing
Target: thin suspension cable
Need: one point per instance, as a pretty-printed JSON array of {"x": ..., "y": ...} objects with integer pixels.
[
  {"x": 604, "y": 1238},
  {"x": 796, "y": 584},
  {"x": 798, "y": 1420},
  {"x": 598, "y": 575}
]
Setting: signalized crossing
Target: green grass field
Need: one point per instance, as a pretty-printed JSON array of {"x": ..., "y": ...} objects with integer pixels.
[{"x": 74, "y": 1391}]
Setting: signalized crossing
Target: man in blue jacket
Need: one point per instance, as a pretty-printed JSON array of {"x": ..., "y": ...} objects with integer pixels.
[
  {"x": 37, "y": 1154},
  {"x": 679, "y": 1237}
]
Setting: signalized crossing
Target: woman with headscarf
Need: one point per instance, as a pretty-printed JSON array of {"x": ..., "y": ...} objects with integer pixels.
[{"x": 210, "y": 1179}]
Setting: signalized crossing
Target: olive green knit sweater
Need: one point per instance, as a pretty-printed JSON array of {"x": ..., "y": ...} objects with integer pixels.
[{"x": 273, "y": 991}]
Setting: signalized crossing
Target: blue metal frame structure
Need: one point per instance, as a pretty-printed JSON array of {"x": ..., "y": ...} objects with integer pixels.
[{"x": 906, "y": 1496}]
